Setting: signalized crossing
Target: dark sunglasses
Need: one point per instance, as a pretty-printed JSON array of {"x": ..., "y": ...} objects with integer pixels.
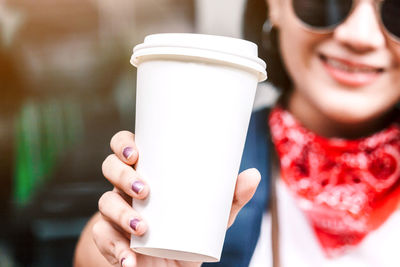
[{"x": 325, "y": 15}]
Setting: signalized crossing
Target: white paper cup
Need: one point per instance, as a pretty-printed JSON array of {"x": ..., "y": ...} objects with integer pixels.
[{"x": 194, "y": 100}]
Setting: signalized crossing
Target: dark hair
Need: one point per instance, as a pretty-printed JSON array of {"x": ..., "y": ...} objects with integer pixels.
[{"x": 255, "y": 15}]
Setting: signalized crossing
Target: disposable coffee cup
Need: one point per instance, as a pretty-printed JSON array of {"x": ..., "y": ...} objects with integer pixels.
[{"x": 194, "y": 100}]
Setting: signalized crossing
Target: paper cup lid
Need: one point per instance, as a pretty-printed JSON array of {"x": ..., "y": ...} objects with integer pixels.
[{"x": 211, "y": 47}]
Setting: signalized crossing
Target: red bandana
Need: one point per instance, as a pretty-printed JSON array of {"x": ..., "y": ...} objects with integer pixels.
[{"x": 346, "y": 188}]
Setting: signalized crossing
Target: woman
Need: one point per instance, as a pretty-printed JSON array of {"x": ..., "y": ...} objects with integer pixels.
[{"x": 336, "y": 133}]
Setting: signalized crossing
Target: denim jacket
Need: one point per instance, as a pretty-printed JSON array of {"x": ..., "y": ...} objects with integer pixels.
[{"x": 241, "y": 238}]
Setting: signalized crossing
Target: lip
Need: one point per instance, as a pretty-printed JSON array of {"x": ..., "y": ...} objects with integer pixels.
[{"x": 350, "y": 73}]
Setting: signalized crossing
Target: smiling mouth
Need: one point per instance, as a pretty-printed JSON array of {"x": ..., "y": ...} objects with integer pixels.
[
  {"x": 349, "y": 66},
  {"x": 350, "y": 73}
]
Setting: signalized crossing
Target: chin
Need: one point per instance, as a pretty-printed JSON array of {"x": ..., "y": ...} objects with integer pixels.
[
  {"x": 354, "y": 114},
  {"x": 357, "y": 105}
]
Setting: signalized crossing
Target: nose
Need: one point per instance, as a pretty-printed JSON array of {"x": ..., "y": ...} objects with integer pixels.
[{"x": 361, "y": 31}]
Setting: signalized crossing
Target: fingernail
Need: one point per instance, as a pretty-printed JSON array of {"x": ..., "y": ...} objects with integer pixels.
[
  {"x": 137, "y": 187},
  {"x": 134, "y": 223},
  {"x": 122, "y": 262},
  {"x": 128, "y": 152},
  {"x": 129, "y": 262}
]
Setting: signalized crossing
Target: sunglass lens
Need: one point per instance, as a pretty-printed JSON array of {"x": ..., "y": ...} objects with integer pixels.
[
  {"x": 390, "y": 13},
  {"x": 322, "y": 13}
]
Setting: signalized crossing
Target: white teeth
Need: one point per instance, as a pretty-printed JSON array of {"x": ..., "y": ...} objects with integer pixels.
[{"x": 339, "y": 65}]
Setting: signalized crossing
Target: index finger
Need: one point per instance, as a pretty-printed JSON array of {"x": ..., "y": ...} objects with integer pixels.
[{"x": 123, "y": 145}]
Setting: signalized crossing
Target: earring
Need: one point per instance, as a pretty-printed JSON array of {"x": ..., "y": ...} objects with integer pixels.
[
  {"x": 267, "y": 26},
  {"x": 266, "y": 38}
]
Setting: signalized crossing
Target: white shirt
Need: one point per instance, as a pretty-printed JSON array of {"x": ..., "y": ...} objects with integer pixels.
[{"x": 300, "y": 248}]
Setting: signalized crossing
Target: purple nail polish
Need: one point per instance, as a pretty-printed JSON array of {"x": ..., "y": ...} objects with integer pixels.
[
  {"x": 134, "y": 223},
  {"x": 137, "y": 187},
  {"x": 128, "y": 151},
  {"x": 122, "y": 262}
]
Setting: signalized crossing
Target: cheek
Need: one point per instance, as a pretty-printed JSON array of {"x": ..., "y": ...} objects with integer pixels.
[
  {"x": 395, "y": 75},
  {"x": 395, "y": 50},
  {"x": 295, "y": 54},
  {"x": 299, "y": 50},
  {"x": 393, "y": 83},
  {"x": 393, "y": 80}
]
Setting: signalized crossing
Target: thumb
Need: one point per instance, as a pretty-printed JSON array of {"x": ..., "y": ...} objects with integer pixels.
[{"x": 246, "y": 186}]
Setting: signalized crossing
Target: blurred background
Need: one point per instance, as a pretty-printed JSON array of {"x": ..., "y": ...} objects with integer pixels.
[{"x": 66, "y": 88}]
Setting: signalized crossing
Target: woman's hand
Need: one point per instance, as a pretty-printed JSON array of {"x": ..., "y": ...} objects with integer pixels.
[{"x": 119, "y": 220}]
